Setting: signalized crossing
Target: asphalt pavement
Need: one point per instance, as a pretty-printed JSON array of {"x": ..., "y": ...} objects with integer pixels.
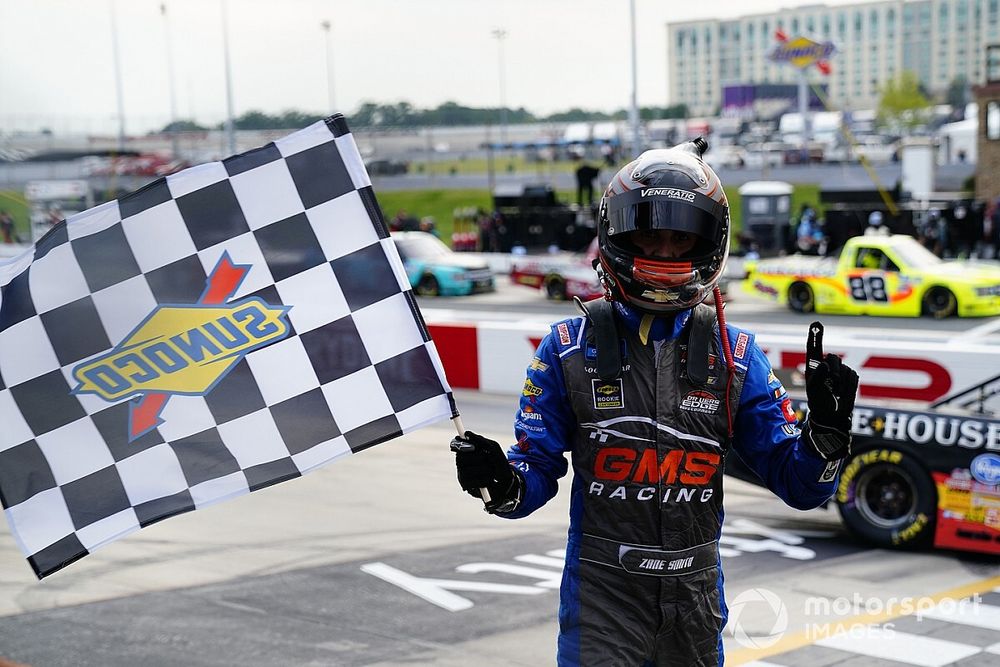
[{"x": 379, "y": 559}]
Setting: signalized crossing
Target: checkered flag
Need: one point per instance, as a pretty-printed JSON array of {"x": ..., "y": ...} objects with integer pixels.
[{"x": 222, "y": 329}]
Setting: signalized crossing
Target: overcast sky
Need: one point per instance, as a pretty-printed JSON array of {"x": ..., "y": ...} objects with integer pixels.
[{"x": 57, "y": 64}]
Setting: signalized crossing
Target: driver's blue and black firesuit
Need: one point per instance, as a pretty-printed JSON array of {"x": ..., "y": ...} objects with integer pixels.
[{"x": 642, "y": 581}]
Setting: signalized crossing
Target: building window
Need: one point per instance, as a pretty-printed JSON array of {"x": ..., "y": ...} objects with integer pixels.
[
  {"x": 993, "y": 63},
  {"x": 993, "y": 120}
]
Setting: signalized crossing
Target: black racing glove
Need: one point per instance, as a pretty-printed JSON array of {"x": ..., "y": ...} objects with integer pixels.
[
  {"x": 482, "y": 465},
  {"x": 831, "y": 387}
]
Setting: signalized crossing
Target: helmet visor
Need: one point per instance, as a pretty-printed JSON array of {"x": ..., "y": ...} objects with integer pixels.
[{"x": 667, "y": 208}]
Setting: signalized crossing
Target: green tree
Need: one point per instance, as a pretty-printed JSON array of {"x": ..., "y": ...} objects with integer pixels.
[
  {"x": 902, "y": 103},
  {"x": 183, "y": 126}
]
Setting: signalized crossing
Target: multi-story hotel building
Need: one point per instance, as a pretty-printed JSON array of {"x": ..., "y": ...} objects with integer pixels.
[{"x": 939, "y": 40}]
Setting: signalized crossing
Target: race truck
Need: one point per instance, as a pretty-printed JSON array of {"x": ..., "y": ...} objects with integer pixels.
[
  {"x": 878, "y": 275},
  {"x": 919, "y": 475},
  {"x": 560, "y": 277},
  {"x": 51, "y": 201}
]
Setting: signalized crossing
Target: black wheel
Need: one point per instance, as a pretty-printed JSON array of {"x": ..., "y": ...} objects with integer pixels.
[
  {"x": 940, "y": 302},
  {"x": 555, "y": 288},
  {"x": 887, "y": 498},
  {"x": 800, "y": 298},
  {"x": 428, "y": 286}
]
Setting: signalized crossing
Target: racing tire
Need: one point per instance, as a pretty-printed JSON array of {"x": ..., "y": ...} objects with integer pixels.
[
  {"x": 940, "y": 303},
  {"x": 801, "y": 298},
  {"x": 888, "y": 499},
  {"x": 555, "y": 288},
  {"x": 428, "y": 286}
]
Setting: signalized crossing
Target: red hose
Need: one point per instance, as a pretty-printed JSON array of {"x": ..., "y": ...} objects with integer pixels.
[{"x": 726, "y": 352}]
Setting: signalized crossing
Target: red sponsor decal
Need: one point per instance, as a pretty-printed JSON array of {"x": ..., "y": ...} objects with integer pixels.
[
  {"x": 691, "y": 468},
  {"x": 563, "y": 330},
  {"x": 788, "y": 411},
  {"x": 741, "y": 345},
  {"x": 938, "y": 381}
]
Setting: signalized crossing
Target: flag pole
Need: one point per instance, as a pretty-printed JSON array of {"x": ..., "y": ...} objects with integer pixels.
[{"x": 457, "y": 421}]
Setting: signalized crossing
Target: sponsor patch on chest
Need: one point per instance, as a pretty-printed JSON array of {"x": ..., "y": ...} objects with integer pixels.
[
  {"x": 700, "y": 401},
  {"x": 608, "y": 395}
]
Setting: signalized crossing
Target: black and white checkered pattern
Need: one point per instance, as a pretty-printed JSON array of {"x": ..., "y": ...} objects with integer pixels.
[{"x": 358, "y": 367}]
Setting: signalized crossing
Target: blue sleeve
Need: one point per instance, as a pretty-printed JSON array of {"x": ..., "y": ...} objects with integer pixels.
[
  {"x": 543, "y": 427},
  {"x": 768, "y": 438}
]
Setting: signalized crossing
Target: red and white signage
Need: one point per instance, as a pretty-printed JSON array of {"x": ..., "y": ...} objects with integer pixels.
[{"x": 493, "y": 357}]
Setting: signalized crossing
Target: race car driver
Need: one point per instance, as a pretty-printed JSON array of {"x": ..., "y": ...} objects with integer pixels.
[{"x": 648, "y": 392}]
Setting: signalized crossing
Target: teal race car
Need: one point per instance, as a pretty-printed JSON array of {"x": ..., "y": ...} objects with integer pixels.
[{"x": 434, "y": 269}]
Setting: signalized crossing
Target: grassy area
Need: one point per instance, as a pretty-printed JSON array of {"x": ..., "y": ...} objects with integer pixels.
[
  {"x": 442, "y": 205},
  {"x": 13, "y": 202},
  {"x": 513, "y": 164}
]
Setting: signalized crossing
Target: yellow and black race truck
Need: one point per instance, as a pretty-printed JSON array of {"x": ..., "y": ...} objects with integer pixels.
[{"x": 919, "y": 475}]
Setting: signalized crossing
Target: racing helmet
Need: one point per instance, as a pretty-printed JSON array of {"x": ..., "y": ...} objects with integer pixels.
[{"x": 663, "y": 189}]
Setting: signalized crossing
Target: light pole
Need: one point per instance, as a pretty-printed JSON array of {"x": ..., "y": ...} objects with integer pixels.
[
  {"x": 118, "y": 77},
  {"x": 501, "y": 34},
  {"x": 170, "y": 81},
  {"x": 329, "y": 64},
  {"x": 230, "y": 127},
  {"x": 633, "y": 110}
]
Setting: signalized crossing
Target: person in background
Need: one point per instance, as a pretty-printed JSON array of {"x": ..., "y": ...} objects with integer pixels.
[
  {"x": 7, "y": 227},
  {"x": 586, "y": 174},
  {"x": 648, "y": 392},
  {"x": 875, "y": 226},
  {"x": 428, "y": 225},
  {"x": 809, "y": 233}
]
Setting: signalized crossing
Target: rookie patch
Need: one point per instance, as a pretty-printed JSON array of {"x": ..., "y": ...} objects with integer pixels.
[
  {"x": 701, "y": 401},
  {"x": 741, "y": 345},
  {"x": 608, "y": 395},
  {"x": 563, "y": 330}
]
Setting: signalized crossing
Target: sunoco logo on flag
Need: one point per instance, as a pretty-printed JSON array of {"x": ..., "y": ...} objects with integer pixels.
[{"x": 183, "y": 349}]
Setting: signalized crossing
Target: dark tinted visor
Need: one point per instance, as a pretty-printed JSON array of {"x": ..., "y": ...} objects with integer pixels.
[{"x": 678, "y": 210}]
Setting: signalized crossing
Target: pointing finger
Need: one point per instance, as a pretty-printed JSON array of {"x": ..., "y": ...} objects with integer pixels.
[{"x": 814, "y": 347}]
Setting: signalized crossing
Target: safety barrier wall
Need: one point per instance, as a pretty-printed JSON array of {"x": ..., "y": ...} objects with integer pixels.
[{"x": 493, "y": 356}]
